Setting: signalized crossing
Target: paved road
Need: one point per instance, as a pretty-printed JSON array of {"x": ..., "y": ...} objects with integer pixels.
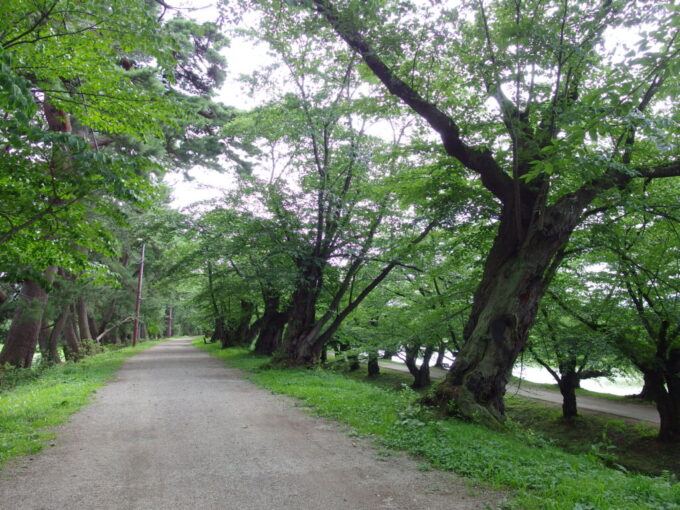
[
  {"x": 630, "y": 411},
  {"x": 176, "y": 429}
]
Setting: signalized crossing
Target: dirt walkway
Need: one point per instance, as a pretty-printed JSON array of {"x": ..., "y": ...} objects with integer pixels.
[
  {"x": 629, "y": 411},
  {"x": 178, "y": 430}
]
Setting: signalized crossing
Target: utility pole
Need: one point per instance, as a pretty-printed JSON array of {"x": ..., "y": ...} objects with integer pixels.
[{"x": 135, "y": 329}]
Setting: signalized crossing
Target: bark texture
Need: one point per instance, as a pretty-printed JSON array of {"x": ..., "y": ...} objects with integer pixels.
[
  {"x": 83, "y": 324},
  {"x": 22, "y": 337}
]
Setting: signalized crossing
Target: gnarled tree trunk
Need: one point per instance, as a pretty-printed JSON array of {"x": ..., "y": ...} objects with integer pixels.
[
  {"x": 517, "y": 271},
  {"x": 22, "y": 337},
  {"x": 272, "y": 324},
  {"x": 421, "y": 374}
]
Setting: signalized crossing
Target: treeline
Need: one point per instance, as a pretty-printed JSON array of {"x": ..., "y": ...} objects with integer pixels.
[
  {"x": 97, "y": 102},
  {"x": 485, "y": 181}
]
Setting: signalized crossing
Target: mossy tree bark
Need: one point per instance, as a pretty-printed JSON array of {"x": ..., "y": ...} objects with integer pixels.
[{"x": 22, "y": 337}]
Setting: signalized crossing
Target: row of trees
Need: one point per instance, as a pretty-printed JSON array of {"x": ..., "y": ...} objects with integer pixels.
[
  {"x": 465, "y": 175},
  {"x": 488, "y": 179},
  {"x": 98, "y": 100}
]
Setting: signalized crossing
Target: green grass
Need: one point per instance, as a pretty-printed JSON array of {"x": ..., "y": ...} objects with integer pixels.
[
  {"x": 538, "y": 474},
  {"x": 614, "y": 441},
  {"x": 47, "y": 397}
]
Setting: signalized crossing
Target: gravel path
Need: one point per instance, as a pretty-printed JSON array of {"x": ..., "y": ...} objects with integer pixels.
[
  {"x": 176, "y": 429},
  {"x": 628, "y": 411}
]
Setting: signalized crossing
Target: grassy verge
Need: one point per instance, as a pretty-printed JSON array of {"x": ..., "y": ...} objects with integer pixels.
[
  {"x": 43, "y": 398},
  {"x": 614, "y": 441},
  {"x": 539, "y": 475}
]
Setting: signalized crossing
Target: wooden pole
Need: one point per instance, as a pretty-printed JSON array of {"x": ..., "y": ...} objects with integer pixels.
[{"x": 135, "y": 329}]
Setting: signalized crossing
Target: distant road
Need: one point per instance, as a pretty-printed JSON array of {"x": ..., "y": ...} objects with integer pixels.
[{"x": 629, "y": 411}]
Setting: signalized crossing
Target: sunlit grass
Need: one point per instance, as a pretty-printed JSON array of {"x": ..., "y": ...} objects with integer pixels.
[{"x": 539, "y": 475}]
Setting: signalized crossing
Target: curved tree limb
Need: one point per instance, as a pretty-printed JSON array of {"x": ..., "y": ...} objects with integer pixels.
[{"x": 480, "y": 161}]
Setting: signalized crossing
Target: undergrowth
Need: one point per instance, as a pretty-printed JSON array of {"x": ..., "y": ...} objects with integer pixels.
[
  {"x": 37, "y": 398},
  {"x": 539, "y": 475}
]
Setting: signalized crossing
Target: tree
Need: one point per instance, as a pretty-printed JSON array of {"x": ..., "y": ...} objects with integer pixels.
[
  {"x": 573, "y": 125},
  {"x": 639, "y": 245},
  {"x": 562, "y": 342},
  {"x": 85, "y": 133}
]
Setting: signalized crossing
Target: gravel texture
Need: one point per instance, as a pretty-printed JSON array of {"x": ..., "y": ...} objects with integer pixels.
[{"x": 177, "y": 429}]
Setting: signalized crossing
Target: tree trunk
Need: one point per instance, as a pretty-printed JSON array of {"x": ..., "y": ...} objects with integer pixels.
[
  {"x": 298, "y": 347},
  {"x": 649, "y": 391},
  {"x": 271, "y": 325},
  {"x": 440, "y": 355},
  {"x": 44, "y": 339},
  {"x": 220, "y": 333},
  {"x": 388, "y": 354},
  {"x": 505, "y": 304},
  {"x": 83, "y": 325},
  {"x": 664, "y": 380},
  {"x": 57, "y": 330},
  {"x": 421, "y": 375},
  {"x": 373, "y": 366},
  {"x": 243, "y": 325},
  {"x": 168, "y": 323},
  {"x": 72, "y": 350},
  {"x": 568, "y": 383},
  {"x": 271, "y": 331},
  {"x": 22, "y": 337},
  {"x": 93, "y": 326}
]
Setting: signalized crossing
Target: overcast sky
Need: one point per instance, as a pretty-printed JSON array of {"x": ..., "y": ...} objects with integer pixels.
[{"x": 242, "y": 58}]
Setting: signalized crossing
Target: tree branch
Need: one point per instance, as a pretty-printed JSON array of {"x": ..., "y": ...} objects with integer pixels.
[{"x": 480, "y": 161}]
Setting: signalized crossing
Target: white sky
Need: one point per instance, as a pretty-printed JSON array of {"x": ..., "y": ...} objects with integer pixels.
[{"x": 242, "y": 58}]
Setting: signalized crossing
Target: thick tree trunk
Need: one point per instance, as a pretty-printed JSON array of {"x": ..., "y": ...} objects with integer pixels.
[
  {"x": 649, "y": 390},
  {"x": 516, "y": 273},
  {"x": 298, "y": 343},
  {"x": 664, "y": 381},
  {"x": 269, "y": 339},
  {"x": 22, "y": 337},
  {"x": 272, "y": 324},
  {"x": 83, "y": 324},
  {"x": 168, "y": 322}
]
